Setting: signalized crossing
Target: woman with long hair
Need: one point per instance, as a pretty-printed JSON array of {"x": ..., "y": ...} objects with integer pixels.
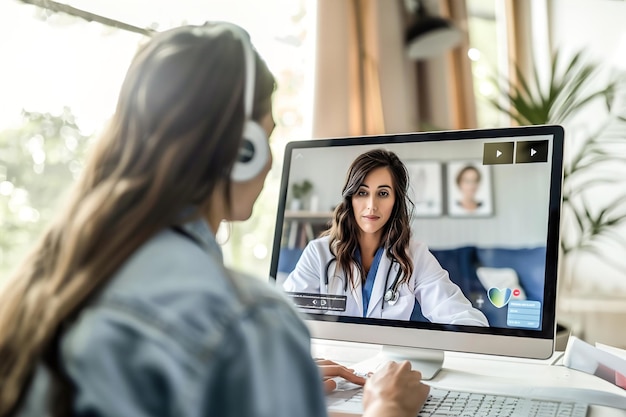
[
  {"x": 124, "y": 306},
  {"x": 368, "y": 255}
]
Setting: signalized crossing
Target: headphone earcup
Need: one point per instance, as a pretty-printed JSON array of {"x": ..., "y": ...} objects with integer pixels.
[{"x": 253, "y": 153}]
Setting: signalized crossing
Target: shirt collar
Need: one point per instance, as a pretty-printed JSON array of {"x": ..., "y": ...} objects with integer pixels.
[{"x": 200, "y": 232}]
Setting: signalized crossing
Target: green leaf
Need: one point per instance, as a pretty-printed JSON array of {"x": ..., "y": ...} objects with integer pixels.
[{"x": 569, "y": 91}]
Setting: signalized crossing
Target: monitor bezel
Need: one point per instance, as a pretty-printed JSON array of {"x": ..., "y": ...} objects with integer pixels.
[{"x": 538, "y": 344}]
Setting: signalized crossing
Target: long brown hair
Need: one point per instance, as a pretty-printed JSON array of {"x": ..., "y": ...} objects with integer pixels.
[
  {"x": 172, "y": 141},
  {"x": 344, "y": 230}
]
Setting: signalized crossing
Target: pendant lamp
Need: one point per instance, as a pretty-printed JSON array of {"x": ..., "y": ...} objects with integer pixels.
[{"x": 428, "y": 35}]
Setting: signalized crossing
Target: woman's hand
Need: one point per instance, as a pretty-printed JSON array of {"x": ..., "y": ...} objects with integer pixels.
[
  {"x": 331, "y": 370},
  {"x": 394, "y": 391}
]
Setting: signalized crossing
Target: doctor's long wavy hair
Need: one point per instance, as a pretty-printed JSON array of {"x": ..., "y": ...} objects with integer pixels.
[
  {"x": 344, "y": 230},
  {"x": 171, "y": 143}
]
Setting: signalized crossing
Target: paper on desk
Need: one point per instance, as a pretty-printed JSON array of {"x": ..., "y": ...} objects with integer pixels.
[
  {"x": 596, "y": 361},
  {"x": 612, "y": 349}
]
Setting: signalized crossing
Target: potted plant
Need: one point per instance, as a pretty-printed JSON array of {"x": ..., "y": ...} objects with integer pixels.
[
  {"x": 570, "y": 89},
  {"x": 299, "y": 190}
]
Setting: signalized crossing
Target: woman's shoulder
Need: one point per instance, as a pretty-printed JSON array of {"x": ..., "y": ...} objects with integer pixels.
[
  {"x": 320, "y": 242},
  {"x": 172, "y": 289},
  {"x": 185, "y": 336},
  {"x": 168, "y": 258},
  {"x": 417, "y": 246},
  {"x": 254, "y": 292},
  {"x": 319, "y": 249}
]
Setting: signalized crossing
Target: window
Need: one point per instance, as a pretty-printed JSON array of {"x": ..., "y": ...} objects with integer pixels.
[
  {"x": 486, "y": 56},
  {"x": 62, "y": 86},
  {"x": 56, "y": 93}
]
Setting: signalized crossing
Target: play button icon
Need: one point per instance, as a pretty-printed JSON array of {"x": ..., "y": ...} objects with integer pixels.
[
  {"x": 498, "y": 153},
  {"x": 531, "y": 151}
]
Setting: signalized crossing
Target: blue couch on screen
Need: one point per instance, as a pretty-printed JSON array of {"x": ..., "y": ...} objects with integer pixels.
[{"x": 462, "y": 264}]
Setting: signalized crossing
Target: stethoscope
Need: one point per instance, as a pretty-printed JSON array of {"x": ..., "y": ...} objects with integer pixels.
[{"x": 391, "y": 295}]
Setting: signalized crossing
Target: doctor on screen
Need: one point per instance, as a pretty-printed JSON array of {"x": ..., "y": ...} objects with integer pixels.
[{"x": 368, "y": 255}]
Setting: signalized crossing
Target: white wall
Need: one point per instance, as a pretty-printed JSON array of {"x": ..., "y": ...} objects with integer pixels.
[{"x": 596, "y": 25}]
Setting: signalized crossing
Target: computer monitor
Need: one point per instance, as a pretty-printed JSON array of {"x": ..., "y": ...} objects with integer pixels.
[{"x": 486, "y": 211}]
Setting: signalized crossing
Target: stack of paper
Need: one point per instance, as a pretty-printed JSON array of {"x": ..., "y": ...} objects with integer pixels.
[{"x": 606, "y": 362}]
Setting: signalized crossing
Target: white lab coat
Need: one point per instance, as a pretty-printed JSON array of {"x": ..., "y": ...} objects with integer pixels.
[{"x": 440, "y": 299}]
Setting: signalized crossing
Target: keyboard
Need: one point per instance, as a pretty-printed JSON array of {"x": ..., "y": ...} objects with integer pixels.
[
  {"x": 442, "y": 402},
  {"x": 445, "y": 403}
]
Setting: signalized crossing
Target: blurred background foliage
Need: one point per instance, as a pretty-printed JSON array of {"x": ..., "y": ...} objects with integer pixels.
[
  {"x": 593, "y": 153},
  {"x": 66, "y": 71},
  {"x": 37, "y": 162}
]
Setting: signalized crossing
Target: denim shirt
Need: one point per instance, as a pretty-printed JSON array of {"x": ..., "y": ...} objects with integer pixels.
[{"x": 176, "y": 334}]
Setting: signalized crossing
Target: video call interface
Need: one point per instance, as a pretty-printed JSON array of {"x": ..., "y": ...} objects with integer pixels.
[{"x": 480, "y": 211}]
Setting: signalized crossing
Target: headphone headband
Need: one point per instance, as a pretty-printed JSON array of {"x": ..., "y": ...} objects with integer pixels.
[
  {"x": 254, "y": 151},
  {"x": 248, "y": 54}
]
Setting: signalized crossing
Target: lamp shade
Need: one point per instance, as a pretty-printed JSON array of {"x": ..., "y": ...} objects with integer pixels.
[{"x": 430, "y": 36}]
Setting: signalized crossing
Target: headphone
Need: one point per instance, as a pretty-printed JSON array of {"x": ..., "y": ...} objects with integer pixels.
[{"x": 254, "y": 150}]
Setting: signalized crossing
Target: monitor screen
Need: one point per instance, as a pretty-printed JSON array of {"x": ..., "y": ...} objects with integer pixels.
[{"x": 464, "y": 258}]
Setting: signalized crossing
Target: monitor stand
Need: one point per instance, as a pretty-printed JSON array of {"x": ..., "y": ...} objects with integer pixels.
[{"x": 428, "y": 361}]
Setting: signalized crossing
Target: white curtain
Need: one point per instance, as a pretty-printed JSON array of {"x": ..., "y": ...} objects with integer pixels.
[{"x": 364, "y": 84}]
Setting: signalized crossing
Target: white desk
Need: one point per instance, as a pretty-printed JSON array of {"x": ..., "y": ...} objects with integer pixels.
[{"x": 492, "y": 374}]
